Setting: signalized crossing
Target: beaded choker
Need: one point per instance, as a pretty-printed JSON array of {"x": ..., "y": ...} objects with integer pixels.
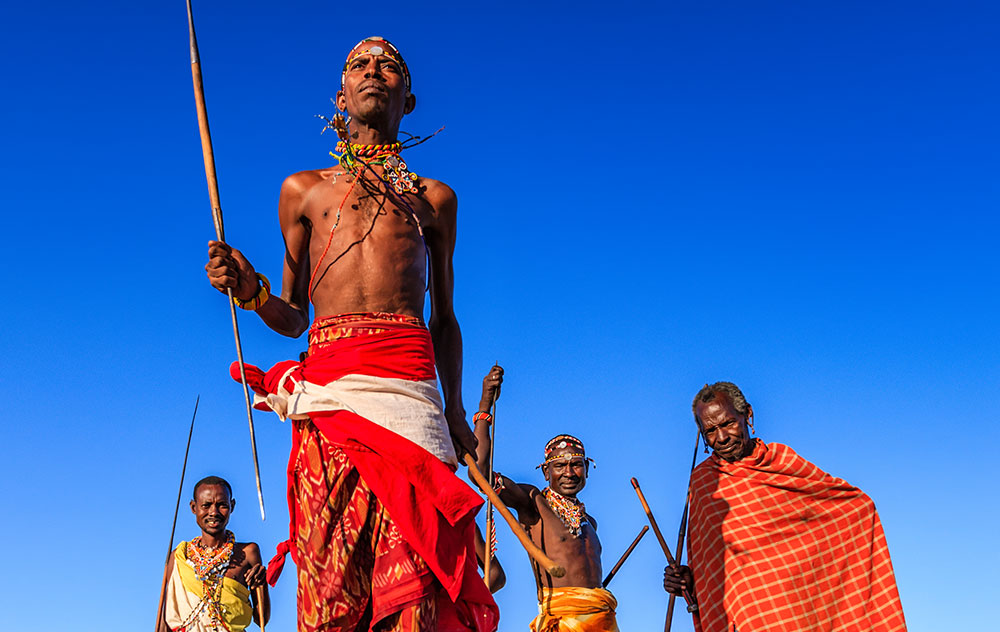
[
  {"x": 210, "y": 567},
  {"x": 571, "y": 511},
  {"x": 355, "y": 158}
]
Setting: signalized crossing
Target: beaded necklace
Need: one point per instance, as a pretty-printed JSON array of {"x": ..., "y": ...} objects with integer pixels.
[
  {"x": 210, "y": 568},
  {"x": 355, "y": 158},
  {"x": 571, "y": 511}
]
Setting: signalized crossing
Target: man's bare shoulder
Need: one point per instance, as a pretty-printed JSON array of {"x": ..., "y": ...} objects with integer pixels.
[
  {"x": 440, "y": 196},
  {"x": 250, "y": 550},
  {"x": 295, "y": 191},
  {"x": 299, "y": 183}
]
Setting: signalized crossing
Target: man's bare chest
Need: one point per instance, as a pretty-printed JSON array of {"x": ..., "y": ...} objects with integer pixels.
[{"x": 348, "y": 209}]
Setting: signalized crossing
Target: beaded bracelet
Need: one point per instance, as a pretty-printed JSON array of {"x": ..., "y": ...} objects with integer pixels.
[
  {"x": 482, "y": 416},
  {"x": 261, "y": 297},
  {"x": 498, "y": 485}
]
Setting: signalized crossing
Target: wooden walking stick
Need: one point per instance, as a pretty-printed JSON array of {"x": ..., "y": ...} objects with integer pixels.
[
  {"x": 692, "y": 604},
  {"x": 536, "y": 553},
  {"x": 173, "y": 527},
  {"x": 220, "y": 233},
  {"x": 259, "y": 591},
  {"x": 683, "y": 528},
  {"x": 621, "y": 560},
  {"x": 490, "y": 526}
]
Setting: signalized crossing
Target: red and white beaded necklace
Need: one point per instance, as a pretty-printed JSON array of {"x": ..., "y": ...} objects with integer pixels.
[{"x": 571, "y": 511}]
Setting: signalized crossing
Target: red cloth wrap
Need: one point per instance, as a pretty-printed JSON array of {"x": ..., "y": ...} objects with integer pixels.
[
  {"x": 778, "y": 544},
  {"x": 433, "y": 510}
]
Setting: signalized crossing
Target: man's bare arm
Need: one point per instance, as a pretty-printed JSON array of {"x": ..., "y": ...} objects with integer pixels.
[
  {"x": 256, "y": 576},
  {"x": 227, "y": 267},
  {"x": 443, "y": 326}
]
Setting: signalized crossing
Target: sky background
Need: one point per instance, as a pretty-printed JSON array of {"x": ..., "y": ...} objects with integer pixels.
[{"x": 799, "y": 197}]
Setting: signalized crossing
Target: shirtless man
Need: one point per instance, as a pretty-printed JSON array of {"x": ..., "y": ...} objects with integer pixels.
[
  {"x": 557, "y": 523},
  {"x": 193, "y": 601},
  {"x": 353, "y": 244},
  {"x": 364, "y": 241}
]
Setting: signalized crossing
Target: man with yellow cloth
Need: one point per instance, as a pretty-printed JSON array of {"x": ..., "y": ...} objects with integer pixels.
[
  {"x": 213, "y": 578},
  {"x": 557, "y": 521}
]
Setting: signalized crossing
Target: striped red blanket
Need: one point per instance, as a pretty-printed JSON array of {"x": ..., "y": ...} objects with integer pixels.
[{"x": 778, "y": 544}]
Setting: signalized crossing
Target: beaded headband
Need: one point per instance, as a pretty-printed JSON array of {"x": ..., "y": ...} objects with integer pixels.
[
  {"x": 561, "y": 442},
  {"x": 384, "y": 47}
]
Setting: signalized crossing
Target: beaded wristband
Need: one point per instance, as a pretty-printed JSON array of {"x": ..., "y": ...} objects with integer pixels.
[
  {"x": 482, "y": 416},
  {"x": 498, "y": 485},
  {"x": 257, "y": 301}
]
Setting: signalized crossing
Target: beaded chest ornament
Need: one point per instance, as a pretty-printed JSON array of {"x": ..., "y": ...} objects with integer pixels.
[
  {"x": 210, "y": 568},
  {"x": 571, "y": 511}
]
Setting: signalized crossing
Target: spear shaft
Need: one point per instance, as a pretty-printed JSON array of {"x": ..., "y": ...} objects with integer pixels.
[
  {"x": 683, "y": 528},
  {"x": 220, "y": 233},
  {"x": 177, "y": 507},
  {"x": 621, "y": 560}
]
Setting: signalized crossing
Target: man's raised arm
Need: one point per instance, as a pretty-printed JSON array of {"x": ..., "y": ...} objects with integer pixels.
[
  {"x": 491, "y": 391},
  {"x": 227, "y": 267},
  {"x": 443, "y": 326}
]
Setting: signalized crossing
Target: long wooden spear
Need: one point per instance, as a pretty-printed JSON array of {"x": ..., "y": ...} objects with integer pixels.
[
  {"x": 692, "y": 604},
  {"x": 220, "y": 233},
  {"x": 683, "y": 528},
  {"x": 536, "y": 553},
  {"x": 489, "y": 508},
  {"x": 177, "y": 507},
  {"x": 621, "y": 560}
]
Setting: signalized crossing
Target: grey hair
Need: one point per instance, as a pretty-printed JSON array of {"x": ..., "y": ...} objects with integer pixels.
[{"x": 730, "y": 390}]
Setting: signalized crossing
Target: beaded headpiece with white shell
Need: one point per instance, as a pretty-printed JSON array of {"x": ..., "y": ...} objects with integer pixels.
[
  {"x": 561, "y": 442},
  {"x": 384, "y": 47}
]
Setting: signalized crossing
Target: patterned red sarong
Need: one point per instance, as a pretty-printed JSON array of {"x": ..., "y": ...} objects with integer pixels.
[
  {"x": 778, "y": 544},
  {"x": 382, "y": 530}
]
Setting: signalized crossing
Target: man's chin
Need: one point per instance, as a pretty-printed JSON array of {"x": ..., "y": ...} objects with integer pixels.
[{"x": 731, "y": 456}]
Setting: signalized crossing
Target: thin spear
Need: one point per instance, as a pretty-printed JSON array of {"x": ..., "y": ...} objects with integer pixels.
[
  {"x": 621, "y": 560},
  {"x": 213, "y": 194},
  {"x": 683, "y": 528},
  {"x": 177, "y": 507}
]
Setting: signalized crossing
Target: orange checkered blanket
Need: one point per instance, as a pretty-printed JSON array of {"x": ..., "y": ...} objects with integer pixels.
[{"x": 778, "y": 544}]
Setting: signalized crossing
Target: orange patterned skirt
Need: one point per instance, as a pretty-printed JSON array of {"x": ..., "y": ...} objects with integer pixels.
[{"x": 356, "y": 573}]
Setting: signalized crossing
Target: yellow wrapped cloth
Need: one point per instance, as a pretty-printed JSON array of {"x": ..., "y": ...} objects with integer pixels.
[
  {"x": 185, "y": 608},
  {"x": 576, "y": 610}
]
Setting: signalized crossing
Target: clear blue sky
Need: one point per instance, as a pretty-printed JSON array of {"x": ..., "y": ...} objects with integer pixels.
[{"x": 798, "y": 197}]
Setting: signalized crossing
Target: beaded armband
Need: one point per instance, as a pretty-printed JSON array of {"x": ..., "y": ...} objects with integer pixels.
[
  {"x": 498, "y": 485},
  {"x": 257, "y": 301},
  {"x": 482, "y": 416}
]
